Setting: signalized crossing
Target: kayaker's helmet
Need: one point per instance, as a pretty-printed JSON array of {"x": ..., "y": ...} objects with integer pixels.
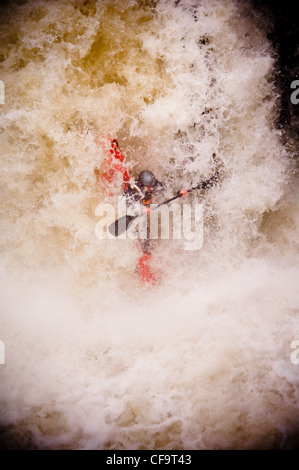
[{"x": 147, "y": 178}]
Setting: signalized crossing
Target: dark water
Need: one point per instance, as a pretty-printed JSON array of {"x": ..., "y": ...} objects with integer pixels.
[{"x": 283, "y": 32}]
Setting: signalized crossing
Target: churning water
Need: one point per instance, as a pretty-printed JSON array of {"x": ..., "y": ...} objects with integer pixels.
[{"x": 94, "y": 359}]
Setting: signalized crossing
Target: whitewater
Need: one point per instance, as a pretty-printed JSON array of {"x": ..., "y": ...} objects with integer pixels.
[{"x": 93, "y": 358}]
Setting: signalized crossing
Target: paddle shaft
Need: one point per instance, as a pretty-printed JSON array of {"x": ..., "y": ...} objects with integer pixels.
[{"x": 202, "y": 185}]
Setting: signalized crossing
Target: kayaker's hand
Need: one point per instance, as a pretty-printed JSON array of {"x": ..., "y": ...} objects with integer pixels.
[{"x": 183, "y": 192}]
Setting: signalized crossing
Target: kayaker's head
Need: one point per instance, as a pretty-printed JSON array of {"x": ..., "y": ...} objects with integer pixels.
[{"x": 147, "y": 179}]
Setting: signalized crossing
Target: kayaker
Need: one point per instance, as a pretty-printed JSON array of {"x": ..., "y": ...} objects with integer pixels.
[
  {"x": 142, "y": 191},
  {"x": 143, "y": 188}
]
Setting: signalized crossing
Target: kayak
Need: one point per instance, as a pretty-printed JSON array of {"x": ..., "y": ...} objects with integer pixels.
[
  {"x": 114, "y": 175},
  {"x": 144, "y": 270},
  {"x": 113, "y": 171}
]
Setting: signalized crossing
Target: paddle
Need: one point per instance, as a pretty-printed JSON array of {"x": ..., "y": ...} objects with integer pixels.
[{"x": 122, "y": 224}]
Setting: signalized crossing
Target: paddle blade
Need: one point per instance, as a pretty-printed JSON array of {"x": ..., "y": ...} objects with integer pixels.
[{"x": 120, "y": 225}]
